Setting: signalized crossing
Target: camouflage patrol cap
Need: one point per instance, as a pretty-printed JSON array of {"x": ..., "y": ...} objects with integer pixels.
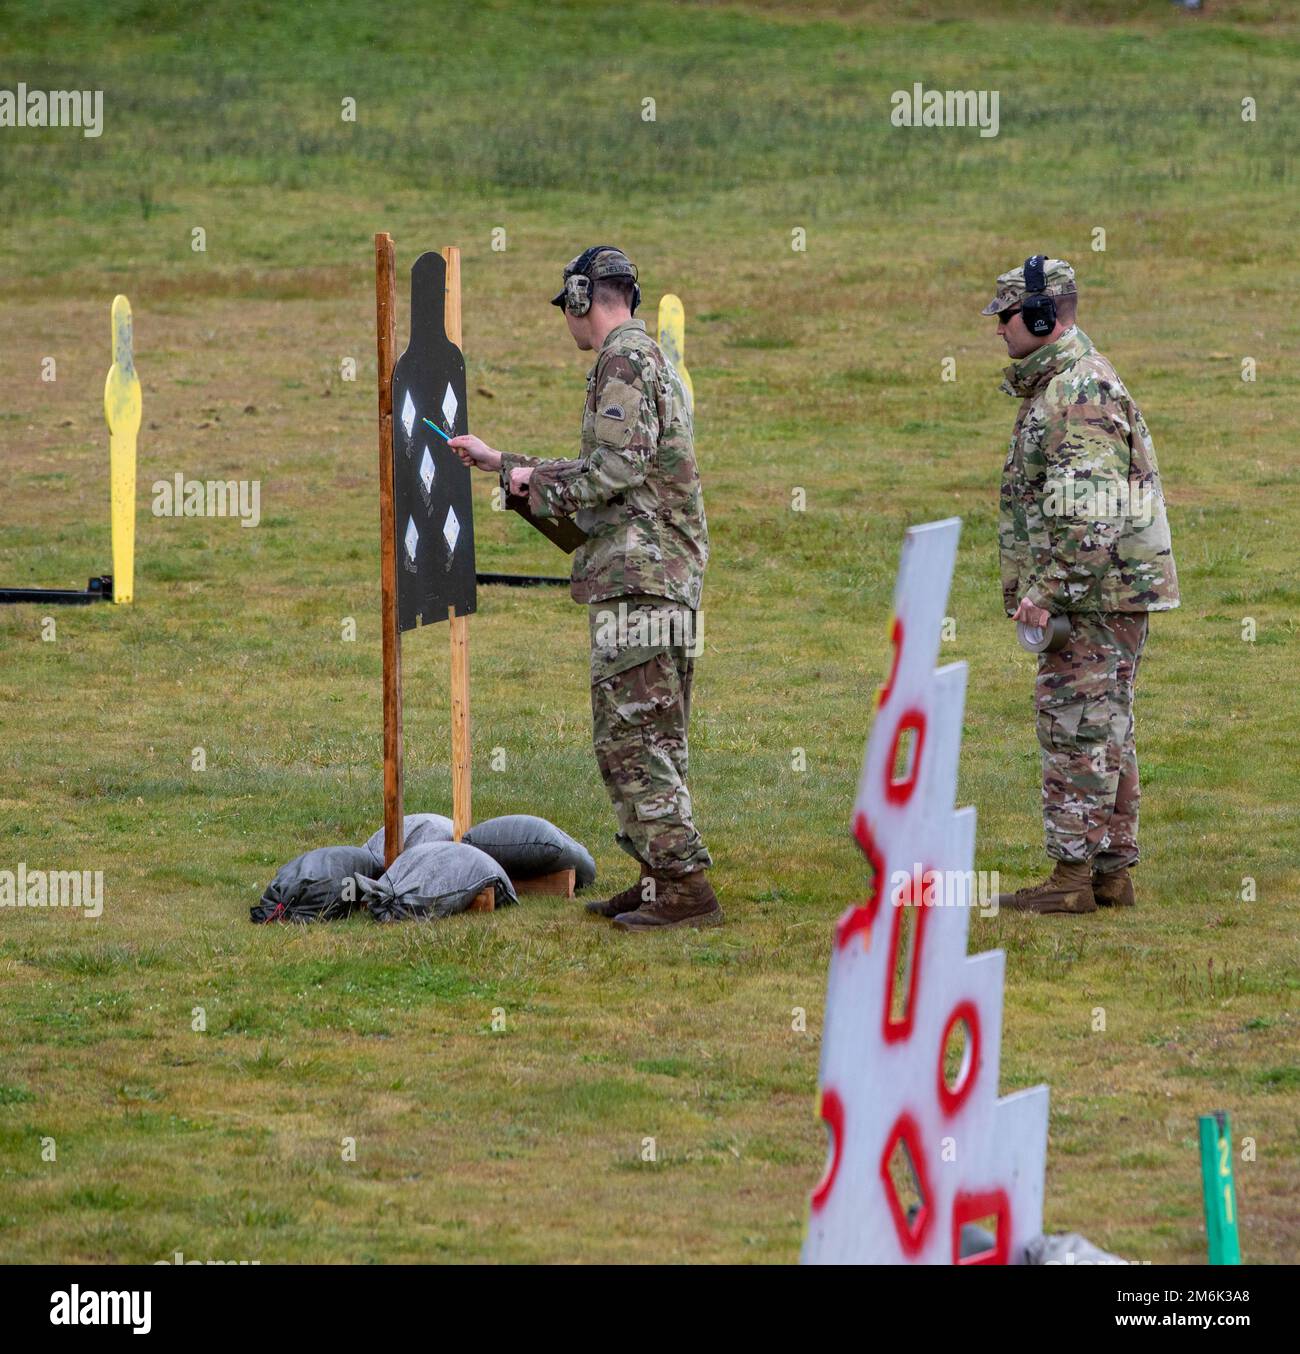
[
  {"x": 1057, "y": 274},
  {"x": 602, "y": 260}
]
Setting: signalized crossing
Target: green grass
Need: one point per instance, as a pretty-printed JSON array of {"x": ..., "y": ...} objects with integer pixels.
[{"x": 818, "y": 370}]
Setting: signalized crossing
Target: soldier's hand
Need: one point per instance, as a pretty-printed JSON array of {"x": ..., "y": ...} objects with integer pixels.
[
  {"x": 475, "y": 452},
  {"x": 519, "y": 478},
  {"x": 1030, "y": 614}
]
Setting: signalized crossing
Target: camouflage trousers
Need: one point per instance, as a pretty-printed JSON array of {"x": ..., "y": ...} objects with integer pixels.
[
  {"x": 1084, "y": 703},
  {"x": 640, "y": 709}
]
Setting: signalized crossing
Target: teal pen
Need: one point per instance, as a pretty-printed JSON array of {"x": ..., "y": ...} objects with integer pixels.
[{"x": 445, "y": 437}]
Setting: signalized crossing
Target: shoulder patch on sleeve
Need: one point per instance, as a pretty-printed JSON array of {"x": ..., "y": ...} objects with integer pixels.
[{"x": 614, "y": 411}]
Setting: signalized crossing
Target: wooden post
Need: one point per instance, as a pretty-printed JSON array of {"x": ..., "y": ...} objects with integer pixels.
[
  {"x": 386, "y": 338},
  {"x": 461, "y": 817},
  {"x": 461, "y": 814}
]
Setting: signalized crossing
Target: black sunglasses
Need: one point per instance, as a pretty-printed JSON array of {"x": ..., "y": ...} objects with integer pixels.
[{"x": 1006, "y": 316}]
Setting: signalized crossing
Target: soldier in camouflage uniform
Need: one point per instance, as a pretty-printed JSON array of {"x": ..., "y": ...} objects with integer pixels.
[
  {"x": 1082, "y": 533},
  {"x": 635, "y": 491}
]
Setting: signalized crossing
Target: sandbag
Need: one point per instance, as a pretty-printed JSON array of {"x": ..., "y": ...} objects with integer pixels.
[
  {"x": 320, "y": 885},
  {"x": 418, "y": 829},
  {"x": 1068, "y": 1248},
  {"x": 524, "y": 845},
  {"x": 427, "y": 882}
]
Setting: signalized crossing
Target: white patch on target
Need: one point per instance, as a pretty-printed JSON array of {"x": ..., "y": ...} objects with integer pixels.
[
  {"x": 412, "y": 538},
  {"x": 449, "y": 406},
  {"x": 451, "y": 530},
  {"x": 408, "y": 413},
  {"x": 426, "y": 470}
]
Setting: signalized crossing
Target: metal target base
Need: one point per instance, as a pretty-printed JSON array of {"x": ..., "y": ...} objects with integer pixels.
[{"x": 98, "y": 589}]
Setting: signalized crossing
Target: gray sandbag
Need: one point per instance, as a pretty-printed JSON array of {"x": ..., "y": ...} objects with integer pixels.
[
  {"x": 524, "y": 845},
  {"x": 418, "y": 829},
  {"x": 1068, "y": 1248},
  {"x": 320, "y": 885},
  {"x": 427, "y": 882},
  {"x": 974, "y": 1240}
]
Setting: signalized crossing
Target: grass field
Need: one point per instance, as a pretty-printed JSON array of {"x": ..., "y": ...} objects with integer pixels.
[{"x": 817, "y": 369}]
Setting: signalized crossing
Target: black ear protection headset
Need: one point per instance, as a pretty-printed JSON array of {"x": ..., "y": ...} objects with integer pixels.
[
  {"x": 578, "y": 285},
  {"x": 1038, "y": 309}
]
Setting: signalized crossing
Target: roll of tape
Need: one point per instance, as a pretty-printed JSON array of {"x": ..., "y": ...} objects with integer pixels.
[{"x": 1044, "y": 638}]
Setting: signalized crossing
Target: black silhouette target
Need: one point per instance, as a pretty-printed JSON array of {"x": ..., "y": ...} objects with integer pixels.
[{"x": 433, "y": 516}]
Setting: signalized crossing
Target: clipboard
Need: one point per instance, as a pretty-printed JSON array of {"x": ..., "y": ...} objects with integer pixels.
[{"x": 561, "y": 531}]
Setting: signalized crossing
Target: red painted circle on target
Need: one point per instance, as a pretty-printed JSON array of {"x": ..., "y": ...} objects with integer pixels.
[
  {"x": 952, "y": 1100},
  {"x": 896, "y": 639},
  {"x": 859, "y": 919},
  {"x": 833, "y": 1114}
]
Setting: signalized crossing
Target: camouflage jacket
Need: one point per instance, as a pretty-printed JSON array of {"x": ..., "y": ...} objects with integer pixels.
[
  {"x": 1082, "y": 523},
  {"x": 635, "y": 489}
]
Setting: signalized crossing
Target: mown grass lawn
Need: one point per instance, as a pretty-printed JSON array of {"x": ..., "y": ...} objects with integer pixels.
[{"x": 818, "y": 370}]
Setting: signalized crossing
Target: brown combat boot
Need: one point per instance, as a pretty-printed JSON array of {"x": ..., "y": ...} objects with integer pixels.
[
  {"x": 1067, "y": 889},
  {"x": 1113, "y": 889},
  {"x": 680, "y": 900},
  {"x": 629, "y": 900}
]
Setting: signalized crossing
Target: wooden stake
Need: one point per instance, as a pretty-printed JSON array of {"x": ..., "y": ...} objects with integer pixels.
[
  {"x": 461, "y": 815},
  {"x": 386, "y": 337}
]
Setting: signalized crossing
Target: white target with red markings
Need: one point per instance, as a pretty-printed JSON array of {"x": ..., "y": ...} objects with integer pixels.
[{"x": 920, "y": 1144}]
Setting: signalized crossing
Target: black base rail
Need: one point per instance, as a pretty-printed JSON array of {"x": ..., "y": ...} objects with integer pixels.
[
  {"x": 522, "y": 580},
  {"x": 97, "y": 590}
]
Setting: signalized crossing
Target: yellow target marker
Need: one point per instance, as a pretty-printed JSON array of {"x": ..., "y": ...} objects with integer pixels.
[
  {"x": 672, "y": 339},
  {"x": 122, "y": 410}
]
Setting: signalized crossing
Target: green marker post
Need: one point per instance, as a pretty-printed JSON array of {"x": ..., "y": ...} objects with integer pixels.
[{"x": 1220, "y": 1192}]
